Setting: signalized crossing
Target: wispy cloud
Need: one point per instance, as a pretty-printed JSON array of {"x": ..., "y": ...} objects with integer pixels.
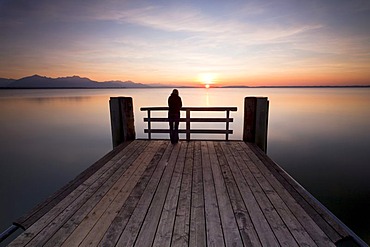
[{"x": 132, "y": 39}]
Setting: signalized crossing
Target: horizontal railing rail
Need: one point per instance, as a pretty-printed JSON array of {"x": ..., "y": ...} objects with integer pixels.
[{"x": 188, "y": 119}]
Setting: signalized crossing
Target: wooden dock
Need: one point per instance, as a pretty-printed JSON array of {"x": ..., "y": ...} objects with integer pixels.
[{"x": 196, "y": 193}]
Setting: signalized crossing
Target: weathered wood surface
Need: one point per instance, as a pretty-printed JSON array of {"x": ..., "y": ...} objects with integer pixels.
[
  {"x": 199, "y": 193},
  {"x": 256, "y": 111},
  {"x": 122, "y": 120},
  {"x": 32, "y": 216}
]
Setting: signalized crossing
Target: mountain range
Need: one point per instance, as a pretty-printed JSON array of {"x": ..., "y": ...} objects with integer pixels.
[{"x": 37, "y": 81}]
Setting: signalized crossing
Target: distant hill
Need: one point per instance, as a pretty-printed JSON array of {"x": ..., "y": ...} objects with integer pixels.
[
  {"x": 236, "y": 86},
  {"x": 37, "y": 81},
  {"x": 5, "y": 82}
]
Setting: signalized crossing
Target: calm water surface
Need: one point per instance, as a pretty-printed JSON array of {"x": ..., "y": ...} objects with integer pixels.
[{"x": 320, "y": 136}]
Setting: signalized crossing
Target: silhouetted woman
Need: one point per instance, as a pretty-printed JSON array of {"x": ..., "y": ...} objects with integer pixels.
[{"x": 174, "y": 105}]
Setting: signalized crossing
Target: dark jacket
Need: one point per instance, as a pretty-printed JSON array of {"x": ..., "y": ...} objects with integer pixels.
[{"x": 174, "y": 104}]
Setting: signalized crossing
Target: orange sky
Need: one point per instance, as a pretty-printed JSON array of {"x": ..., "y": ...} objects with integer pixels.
[{"x": 251, "y": 43}]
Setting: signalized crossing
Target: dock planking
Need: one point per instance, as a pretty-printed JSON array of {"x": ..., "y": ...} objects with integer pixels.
[{"x": 197, "y": 193}]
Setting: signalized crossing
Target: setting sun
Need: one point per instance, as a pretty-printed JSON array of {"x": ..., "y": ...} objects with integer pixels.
[{"x": 207, "y": 79}]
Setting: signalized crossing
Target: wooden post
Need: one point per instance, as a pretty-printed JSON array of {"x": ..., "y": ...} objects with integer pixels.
[
  {"x": 256, "y": 121},
  {"x": 187, "y": 125},
  {"x": 227, "y": 124},
  {"x": 149, "y": 126},
  {"x": 122, "y": 119}
]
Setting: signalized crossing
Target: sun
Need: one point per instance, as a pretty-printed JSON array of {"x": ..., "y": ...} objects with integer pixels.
[{"x": 207, "y": 79}]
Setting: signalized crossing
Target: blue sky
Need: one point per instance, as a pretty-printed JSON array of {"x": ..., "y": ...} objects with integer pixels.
[{"x": 186, "y": 42}]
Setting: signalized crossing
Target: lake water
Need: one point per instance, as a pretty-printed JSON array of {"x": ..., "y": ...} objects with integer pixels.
[{"x": 320, "y": 136}]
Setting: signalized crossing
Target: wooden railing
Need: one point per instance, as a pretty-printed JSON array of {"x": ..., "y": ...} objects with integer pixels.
[
  {"x": 188, "y": 119},
  {"x": 254, "y": 124}
]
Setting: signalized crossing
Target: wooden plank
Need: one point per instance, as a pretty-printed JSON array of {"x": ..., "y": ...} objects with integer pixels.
[
  {"x": 210, "y": 108},
  {"x": 97, "y": 190},
  {"x": 39, "y": 210},
  {"x": 191, "y": 108},
  {"x": 167, "y": 220},
  {"x": 263, "y": 229},
  {"x": 326, "y": 222},
  {"x": 190, "y": 194},
  {"x": 192, "y": 131},
  {"x": 146, "y": 215},
  {"x": 229, "y": 226},
  {"x": 194, "y": 120},
  {"x": 98, "y": 205},
  {"x": 85, "y": 211},
  {"x": 181, "y": 232},
  {"x": 215, "y": 235},
  {"x": 316, "y": 233},
  {"x": 246, "y": 228},
  {"x": 280, "y": 230},
  {"x": 297, "y": 230},
  {"x": 197, "y": 219},
  {"x": 96, "y": 234},
  {"x": 99, "y": 229},
  {"x": 155, "y": 169},
  {"x": 81, "y": 193}
]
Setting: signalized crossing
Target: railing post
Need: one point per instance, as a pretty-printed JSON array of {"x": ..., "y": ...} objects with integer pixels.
[
  {"x": 187, "y": 125},
  {"x": 256, "y": 121},
  {"x": 122, "y": 119},
  {"x": 227, "y": 124},
  {"x": 149, "y": 126}
]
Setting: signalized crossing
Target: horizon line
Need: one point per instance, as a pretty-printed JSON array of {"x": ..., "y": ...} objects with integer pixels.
[{"x": 164, "y": 85}]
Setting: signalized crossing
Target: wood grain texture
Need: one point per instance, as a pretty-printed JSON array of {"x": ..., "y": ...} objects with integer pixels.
[{"x": 198, "y": 193}]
